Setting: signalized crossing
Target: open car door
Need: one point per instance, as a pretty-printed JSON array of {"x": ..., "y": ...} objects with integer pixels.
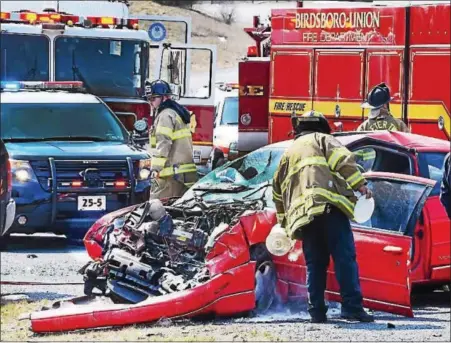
[
  {"x": 384, "y": 246},
  {"x": 191, "y": 69}
]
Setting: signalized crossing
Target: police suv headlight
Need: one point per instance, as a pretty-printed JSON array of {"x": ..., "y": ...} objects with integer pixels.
[
  {"x": 21, "y": 170},
  {"x": 144, "y": 169}
]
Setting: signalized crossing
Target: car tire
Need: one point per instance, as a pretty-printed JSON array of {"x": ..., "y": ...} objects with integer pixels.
[
  {"x": 4, "y": 242},
  {"x": 265, "y": 278}
]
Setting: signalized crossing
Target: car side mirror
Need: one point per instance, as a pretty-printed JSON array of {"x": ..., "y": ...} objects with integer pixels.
[
  {"x": 140, "y": 126},
  {"x": 338, "y": 126}
]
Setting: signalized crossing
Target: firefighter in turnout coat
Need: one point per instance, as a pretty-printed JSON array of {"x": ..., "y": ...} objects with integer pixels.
[
  {"x": 172, "y": 165},
  {"x": 380, "y": 118},
  {"x": 313, "y": 191}
]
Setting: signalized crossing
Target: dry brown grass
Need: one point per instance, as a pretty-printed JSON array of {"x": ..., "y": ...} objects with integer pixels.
[
  {"x": 13, "y": 330},
  {"x": 205, "y": 30}
]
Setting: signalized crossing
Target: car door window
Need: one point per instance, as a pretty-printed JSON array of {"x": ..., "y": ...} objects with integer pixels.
[
  {"x": 395, "y": 204},
  {"x": 431, "y": 167},
  {"x": 382, "y": 160}
]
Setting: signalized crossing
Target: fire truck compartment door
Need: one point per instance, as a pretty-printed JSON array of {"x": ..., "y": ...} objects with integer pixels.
[
  {"x": 253, "y": 104},
  {"x": 386, "y": 66},
  {"x": 338, "y": 91}
]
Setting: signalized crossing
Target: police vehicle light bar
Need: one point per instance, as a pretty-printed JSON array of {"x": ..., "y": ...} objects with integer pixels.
[{"x": 46, "y": 85}]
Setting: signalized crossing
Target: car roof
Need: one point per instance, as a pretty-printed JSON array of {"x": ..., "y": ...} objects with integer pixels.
[
  {"x": 409, "y": 140},
  {"x": 47, "y": 97}
]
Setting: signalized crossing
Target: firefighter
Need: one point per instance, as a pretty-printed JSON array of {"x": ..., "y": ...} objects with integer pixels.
[
  {"x": 380, "y": 118},
  {"x": 445, "y": 189},
  {"x": 313, "y": 190},
  {"x": 172, "y": 165}
]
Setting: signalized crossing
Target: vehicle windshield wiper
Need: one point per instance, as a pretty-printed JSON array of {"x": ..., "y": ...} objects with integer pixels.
[
  {"x": 222, "y": 188},
  {"x": 258, "y": 189},
  {"x": 76, "y": 73},
  {"x": 75, "y": 138}
]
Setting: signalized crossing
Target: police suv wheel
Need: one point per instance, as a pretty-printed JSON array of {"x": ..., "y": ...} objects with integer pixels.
[{"x": 265, "y": 278}]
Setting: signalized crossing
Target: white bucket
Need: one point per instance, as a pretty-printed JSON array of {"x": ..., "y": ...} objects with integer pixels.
[{"x": 278, "y": 243}]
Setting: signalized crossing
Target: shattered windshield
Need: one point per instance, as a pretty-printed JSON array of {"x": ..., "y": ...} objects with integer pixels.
[
  {"x": 107, "y": 67},
  {"x": 249, "y": 177},
  {"x": 24, "y": 57}
]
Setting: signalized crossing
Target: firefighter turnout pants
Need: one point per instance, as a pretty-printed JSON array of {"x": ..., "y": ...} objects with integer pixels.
[{"x": 330, "y": 234}]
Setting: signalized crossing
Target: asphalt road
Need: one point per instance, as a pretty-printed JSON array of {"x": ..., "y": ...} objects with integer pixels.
[{"x": 52, "y": 259}]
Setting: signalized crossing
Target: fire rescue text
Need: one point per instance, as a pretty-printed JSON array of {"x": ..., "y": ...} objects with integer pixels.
[
  {"x": 282, "y": 106},
  {"x": 343, "y": 20}
]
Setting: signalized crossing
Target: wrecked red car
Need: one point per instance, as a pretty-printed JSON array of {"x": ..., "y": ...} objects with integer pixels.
[{"x": 206, "y": 254}]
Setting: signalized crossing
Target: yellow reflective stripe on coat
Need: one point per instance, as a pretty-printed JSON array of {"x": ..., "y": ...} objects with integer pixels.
[
  {"x": 158, "y": 161},
  {"x": 182, "y": 169},
  {"x": 189, "y": 184},
  {"x": 365, "y": 155},
  {"x": 276, "y": 196},
  {"x": 334, "y": 198},
  {"x": 307, "y": 218},
  {"x": 309, "y": 161},
  {"x": 153, "y": 141},
  {"x": 163, "y": 130},
  {"x": 336, "y": 156},
  {"x": 179, "y": 134},
  {"x": 173, "y": 135},
  {"x": 354, "y": 178}
]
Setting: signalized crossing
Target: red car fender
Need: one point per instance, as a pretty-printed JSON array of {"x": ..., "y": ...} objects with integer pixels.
[
  {"x": 228, "y": 293},
  {"x": 229, "y": 251},
  {"x": 257, "y": 226}
]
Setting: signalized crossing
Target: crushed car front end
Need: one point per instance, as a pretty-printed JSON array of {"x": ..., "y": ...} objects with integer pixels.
[{"x": 152, "y": 261}]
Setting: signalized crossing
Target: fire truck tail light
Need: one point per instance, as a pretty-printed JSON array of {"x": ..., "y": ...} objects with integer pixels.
[
  {"x": 5, "y": 15},
  {"x": 252, "y": 51}
]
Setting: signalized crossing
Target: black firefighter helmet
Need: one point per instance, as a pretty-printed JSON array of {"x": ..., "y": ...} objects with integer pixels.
[
  {"x": 378, "y": 97},
  {"x": 311, "y": 121}
]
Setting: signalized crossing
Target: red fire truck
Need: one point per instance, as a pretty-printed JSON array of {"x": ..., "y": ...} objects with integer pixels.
[
  {"x": 327, "y": 59},
  {"x": 112, "y": 53}
]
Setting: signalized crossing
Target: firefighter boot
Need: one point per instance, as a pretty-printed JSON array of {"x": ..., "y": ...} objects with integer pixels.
[{"x": 360, "y": 316}]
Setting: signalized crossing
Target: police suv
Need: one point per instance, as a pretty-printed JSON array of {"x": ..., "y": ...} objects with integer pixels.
[{"x": 72, "y": 160}]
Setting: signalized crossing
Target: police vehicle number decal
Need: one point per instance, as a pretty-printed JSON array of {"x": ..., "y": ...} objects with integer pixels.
[{"x": 92, "y": 203}]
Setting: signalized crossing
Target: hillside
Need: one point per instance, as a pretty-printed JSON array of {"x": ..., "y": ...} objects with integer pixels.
[{"x": 231, "y": 40}]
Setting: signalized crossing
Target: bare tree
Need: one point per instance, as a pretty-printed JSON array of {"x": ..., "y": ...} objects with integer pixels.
[{"x": 228, "y": 14}]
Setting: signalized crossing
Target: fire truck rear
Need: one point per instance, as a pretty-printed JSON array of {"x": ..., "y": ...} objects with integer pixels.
[
  {"x": 111, "y": 52},
  {"x": 327, "y": 59}
]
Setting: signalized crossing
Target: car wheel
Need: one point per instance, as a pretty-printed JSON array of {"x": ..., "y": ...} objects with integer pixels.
[
  {"x": 265, "y": 278},
  {"x": 4, "y": 242}
]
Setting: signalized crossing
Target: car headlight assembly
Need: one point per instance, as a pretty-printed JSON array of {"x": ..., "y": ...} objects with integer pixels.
[
  {"x": 21, "y": 170},
  {"x": 144, "y": 169}
]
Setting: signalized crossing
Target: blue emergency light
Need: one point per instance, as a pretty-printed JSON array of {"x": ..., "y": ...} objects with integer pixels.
[{"x": 10, "y": 86}]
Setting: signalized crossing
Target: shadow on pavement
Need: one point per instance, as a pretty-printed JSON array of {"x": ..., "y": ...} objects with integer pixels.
[{"x": 40, "y": 243}]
